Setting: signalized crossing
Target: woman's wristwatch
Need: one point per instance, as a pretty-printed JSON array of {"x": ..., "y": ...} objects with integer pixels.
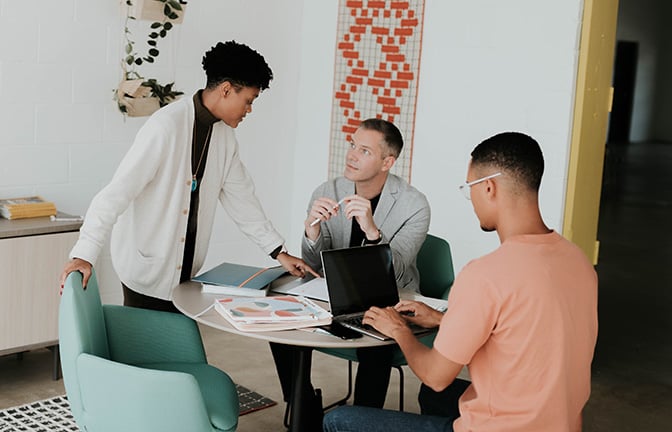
[{"x": 277, "y": 251}]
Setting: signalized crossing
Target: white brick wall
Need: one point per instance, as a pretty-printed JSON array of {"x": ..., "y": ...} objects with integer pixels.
[{"x": 61, "y": 134}]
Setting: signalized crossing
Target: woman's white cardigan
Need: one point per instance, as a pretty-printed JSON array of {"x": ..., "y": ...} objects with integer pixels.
[{"x": 147, "y": 203}]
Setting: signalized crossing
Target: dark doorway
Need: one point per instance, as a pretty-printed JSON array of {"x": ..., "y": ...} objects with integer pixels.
[{"x": 625, "y": 71}]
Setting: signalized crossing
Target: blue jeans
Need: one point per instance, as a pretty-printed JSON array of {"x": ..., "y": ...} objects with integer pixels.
[
  {"x": 439, "y": 411},
  {"x": 365, "y": 419}
]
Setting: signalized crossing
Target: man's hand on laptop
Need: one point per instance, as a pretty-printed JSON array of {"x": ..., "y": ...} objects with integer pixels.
[
  {"x": 419, "y": 313},
  {"x": 387, "y": 321}
]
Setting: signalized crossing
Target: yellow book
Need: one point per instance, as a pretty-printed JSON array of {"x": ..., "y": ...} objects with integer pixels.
[{"x": 26, "y": 207}]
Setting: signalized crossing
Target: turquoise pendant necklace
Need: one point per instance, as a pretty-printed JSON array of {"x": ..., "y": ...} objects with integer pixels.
[{"x": 194, "y": 182}]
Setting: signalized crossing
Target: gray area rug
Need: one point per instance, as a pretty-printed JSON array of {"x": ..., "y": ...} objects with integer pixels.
[{"x": 53, "y": 415}]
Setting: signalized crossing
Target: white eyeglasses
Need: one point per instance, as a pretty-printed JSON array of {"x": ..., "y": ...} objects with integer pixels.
[{"x": 466, "y": 188}]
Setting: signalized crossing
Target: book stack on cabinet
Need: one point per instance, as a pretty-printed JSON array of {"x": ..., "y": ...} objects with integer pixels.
[{"x": 26, "y": 207}]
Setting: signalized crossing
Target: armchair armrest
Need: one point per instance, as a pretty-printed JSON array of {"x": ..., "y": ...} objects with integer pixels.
[
  {"x": 141, "y": 336},
  {"x": 143, "y": 399}
]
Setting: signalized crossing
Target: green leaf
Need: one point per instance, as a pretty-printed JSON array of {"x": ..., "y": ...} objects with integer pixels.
[
  {"x": 173, "y": 16},
  {"x": 175, "y": 5},
  {"x": 162, "y": 33},
  {"x": 130, "y": 60},
  {"x": 129, "y": 48},
  {"x": 155, "y": 25},
  {"x": 167, "y": 10},
  {"x": 153, "y": 35},
  {"x": 153, "y": 52},
  {"x": 151, "y": 42},
  {"x": 167, "y": 25}
]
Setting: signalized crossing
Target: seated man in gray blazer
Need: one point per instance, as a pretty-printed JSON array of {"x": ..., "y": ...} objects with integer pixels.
[{"x": 368, "y": 205}]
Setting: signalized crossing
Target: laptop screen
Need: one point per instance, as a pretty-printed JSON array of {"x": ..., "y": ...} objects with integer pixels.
[{"x": 359, "y": 277}]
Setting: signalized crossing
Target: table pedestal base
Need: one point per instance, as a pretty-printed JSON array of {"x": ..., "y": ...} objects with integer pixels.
[{"x": 305, "y": 405}]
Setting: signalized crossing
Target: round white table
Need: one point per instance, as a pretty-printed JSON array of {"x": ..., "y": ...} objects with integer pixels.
[{"x": 189, "y": 299}]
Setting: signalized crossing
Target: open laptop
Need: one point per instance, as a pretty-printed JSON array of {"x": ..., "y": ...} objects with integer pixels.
[{"x": 358, "y": 278}]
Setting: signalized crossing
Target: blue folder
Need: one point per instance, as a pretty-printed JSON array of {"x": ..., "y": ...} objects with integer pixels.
[{"x": 240, "y": 276}]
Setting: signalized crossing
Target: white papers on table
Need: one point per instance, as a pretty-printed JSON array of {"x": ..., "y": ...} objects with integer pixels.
[
  {"x": 315, "y": 289},
  {"x": 230, "y": 290},
  {"x": 438, "y": 304}
]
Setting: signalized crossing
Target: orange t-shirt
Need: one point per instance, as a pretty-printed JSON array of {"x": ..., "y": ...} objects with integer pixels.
[{"x": 524, "y": 320}]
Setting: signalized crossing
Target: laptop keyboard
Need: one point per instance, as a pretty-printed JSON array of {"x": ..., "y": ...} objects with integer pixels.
[{"x": 355, "y": 321}]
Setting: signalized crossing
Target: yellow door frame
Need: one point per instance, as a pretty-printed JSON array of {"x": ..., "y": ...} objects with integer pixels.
[{"x": 589, "y": 133}]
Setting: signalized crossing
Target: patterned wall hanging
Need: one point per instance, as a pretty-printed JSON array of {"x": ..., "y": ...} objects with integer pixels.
[{"x": 376, "y": 69}]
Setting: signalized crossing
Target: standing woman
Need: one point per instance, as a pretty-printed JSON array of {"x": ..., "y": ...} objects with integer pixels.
[{"x": 160, "y": 204}]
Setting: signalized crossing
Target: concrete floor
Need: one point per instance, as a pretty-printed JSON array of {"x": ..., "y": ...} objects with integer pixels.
[{"x": 632, "y": 370}]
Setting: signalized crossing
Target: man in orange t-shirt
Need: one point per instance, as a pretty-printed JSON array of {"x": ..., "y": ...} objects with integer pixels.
[{"x": 522, "y": 318}]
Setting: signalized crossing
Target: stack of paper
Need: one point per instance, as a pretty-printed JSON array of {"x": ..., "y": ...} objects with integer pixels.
[
  {"x": 26, "y": 207},
  {"x": 271, "y": 313}
]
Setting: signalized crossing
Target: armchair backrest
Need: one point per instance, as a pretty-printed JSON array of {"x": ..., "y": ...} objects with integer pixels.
[
  {"x": 435, "y": 265},
  {"x": 81, "y": 329}
]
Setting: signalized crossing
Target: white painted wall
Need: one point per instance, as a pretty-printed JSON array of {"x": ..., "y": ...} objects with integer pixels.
[{"x": 487, "y": 66}]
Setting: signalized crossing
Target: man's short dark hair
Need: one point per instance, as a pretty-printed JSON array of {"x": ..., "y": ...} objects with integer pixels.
[
  {"x": 237, "y": 63},
  {"x": 391, "y": 134},
  {"x": 515, "y": 153}
]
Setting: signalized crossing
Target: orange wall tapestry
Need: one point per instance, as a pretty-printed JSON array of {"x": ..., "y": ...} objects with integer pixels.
[{"x": 377, "y": 64}]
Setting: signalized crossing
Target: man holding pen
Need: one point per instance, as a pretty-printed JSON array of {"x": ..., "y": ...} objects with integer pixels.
[{"x": 367, "y": 205}]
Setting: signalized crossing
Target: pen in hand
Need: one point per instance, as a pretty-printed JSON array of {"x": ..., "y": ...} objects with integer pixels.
[{"x": 316, "y": 221}]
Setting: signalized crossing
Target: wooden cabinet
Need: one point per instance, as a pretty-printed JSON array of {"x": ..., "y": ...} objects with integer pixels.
[{"x": 32, "y": 255}]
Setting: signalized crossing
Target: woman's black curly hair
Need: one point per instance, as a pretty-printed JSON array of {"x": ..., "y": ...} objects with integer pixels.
[{"x": 237, "y": 63}]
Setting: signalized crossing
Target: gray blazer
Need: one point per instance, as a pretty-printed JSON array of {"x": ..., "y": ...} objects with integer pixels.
[{"x": 402, "y": 215}]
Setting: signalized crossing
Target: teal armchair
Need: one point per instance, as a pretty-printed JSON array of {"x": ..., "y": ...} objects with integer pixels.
[
  {"x": 435, "y": 265},
  {"x": 129, "y": 369}
]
